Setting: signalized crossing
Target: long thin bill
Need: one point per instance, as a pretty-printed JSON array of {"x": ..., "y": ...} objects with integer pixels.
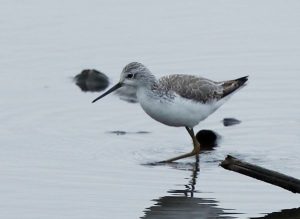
[{"x": 117, "y": 86}]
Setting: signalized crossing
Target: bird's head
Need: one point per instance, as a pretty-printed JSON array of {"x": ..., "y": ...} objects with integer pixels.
[{"x": 134, "y": 75}]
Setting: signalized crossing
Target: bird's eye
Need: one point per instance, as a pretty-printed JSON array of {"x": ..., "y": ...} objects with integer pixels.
[{"x": 130, "y": 75}]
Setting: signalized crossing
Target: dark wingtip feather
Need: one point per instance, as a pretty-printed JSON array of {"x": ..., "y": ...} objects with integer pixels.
[
  {"x": 242, "y": 80},
  {"x": 233, "y": 85}
]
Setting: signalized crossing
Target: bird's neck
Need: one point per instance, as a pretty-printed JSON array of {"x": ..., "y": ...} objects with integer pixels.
[
  {"x": 148, "y": 85},
  {"x": 149, "y": 82}
]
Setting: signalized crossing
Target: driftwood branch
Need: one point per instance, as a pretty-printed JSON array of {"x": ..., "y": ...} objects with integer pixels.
[{"x": 260, "y": 173}]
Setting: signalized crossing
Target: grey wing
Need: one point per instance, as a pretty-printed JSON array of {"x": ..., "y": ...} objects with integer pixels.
[{"x": 191, "y": 87}]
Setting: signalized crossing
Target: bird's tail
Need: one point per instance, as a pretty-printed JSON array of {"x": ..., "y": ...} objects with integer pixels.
[{"x": 233, "y": 85}]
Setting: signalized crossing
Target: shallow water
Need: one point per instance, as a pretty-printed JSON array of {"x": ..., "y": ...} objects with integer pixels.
[{"x": 58, "y": 156}]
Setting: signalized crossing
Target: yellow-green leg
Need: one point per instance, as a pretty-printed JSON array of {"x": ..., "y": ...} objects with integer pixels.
[{"x": 195, "y": 151}]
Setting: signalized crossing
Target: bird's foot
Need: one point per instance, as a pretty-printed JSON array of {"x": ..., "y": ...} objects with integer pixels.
[{"x": 195, "y": 151}]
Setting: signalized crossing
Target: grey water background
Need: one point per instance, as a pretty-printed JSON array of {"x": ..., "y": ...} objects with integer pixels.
[{"x": 58, "y": 159}]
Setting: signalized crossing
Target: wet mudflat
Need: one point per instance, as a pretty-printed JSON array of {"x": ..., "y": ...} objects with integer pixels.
[{"x": 63, "y": 157}]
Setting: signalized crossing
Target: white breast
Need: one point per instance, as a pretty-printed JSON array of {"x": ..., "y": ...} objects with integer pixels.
[{"x": 175, "y": 112}]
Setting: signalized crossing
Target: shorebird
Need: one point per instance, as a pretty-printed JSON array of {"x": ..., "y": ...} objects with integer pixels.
[{"x": 177, "y": 100}]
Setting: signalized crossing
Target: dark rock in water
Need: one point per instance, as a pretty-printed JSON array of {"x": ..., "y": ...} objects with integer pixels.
[
  {"x": 230, "y": 121},
  {"x": 208, "y": 139},
  {"x": 91, "y": 80},
  {"x": 142, "y": 132},
  {"x": 118, "y": 132}
]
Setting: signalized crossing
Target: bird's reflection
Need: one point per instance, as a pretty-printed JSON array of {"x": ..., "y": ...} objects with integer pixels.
[
  {"x": 189, "y": 187},
  {"x": 181, "y": 203}
]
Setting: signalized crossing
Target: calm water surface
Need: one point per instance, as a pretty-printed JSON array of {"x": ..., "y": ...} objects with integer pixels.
[{"x": 58, "y": 156}]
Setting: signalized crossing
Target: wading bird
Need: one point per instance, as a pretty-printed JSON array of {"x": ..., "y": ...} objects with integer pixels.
[{"x": 176, "y": 100}]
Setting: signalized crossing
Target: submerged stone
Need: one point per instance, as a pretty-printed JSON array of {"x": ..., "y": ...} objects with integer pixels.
[
  {"x": 118, "y": 132},
  {"x": 91, "y": 80},
  {"x": 208, "y": 139},
  {"x": 230, "y": 121}
]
